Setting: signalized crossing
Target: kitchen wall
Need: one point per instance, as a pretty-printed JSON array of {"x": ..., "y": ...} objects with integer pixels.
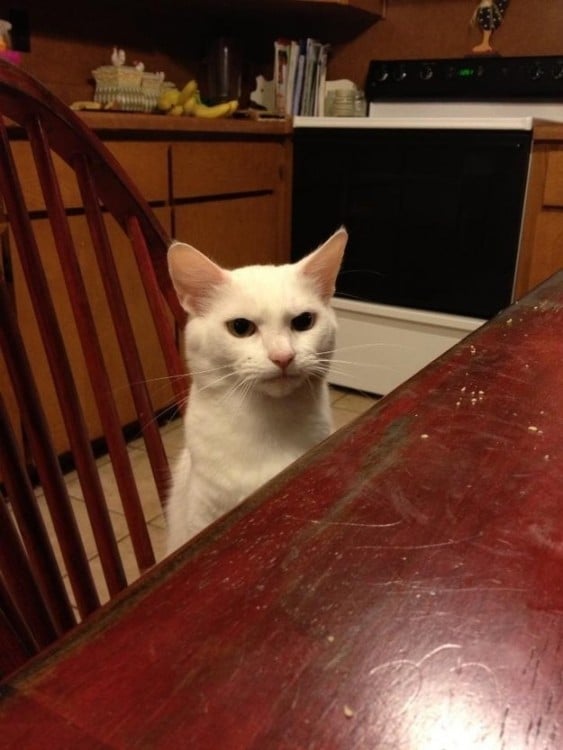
[
  {"x": 71, "y": 38},
  {"x": 441, "y": 28}
]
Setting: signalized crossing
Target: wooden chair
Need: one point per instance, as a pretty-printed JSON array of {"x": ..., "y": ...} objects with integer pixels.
[{"x": 37, "y": 129}]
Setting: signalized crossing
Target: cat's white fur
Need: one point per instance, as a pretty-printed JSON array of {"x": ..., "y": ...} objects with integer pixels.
[{"x": 256, "y": 402}]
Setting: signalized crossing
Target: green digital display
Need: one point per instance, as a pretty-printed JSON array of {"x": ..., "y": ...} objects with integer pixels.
[{"x": 466, "y": 72}]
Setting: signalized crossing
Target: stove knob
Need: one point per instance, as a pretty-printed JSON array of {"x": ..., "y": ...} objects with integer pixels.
[
  {"x": 400, "y": 73},
  {"x": 426, "y": 72},
  {"x": 536, "y": 72},
  {"x": 557, "y": 71},
  {"x": 381, "y": 73}
]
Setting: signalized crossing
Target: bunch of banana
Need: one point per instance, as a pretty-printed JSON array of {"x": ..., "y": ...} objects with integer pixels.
[{"x": 172, "y": 101}]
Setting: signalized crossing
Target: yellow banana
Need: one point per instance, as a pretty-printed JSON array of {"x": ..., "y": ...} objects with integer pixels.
[
  {"x": 176, "y": 110},
  {"x": 217, "y": 110},
  {"x": 168, "y": 99},
  {"x": 190, "y": 105},
  {"x": 187, "y": 92}
]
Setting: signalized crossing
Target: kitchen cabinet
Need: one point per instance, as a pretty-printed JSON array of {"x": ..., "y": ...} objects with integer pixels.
[
  {"x": 225, "y": 188},
  {"x": 333, "y": 21},
  {"x": 542, "y": 233},
  {"x": 153, "y": 182},
  {"x": 230, "y": 200}
]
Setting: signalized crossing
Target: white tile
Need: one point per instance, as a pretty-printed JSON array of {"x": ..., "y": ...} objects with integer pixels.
[
  {"x": 144, "y": 479},
  {"x": 81, "y": 515},
  {"x": 342, "y": 417},
  {"x": 335, "y": 394},
  {"x": 356, "y": 402}
]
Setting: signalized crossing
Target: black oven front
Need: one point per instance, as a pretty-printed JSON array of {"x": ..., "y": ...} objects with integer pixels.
[{"x": 434, "y": 215}]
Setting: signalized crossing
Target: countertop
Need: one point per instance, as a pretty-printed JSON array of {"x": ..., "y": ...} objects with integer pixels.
[
  {"x": 139, "y": 122},
  {"x": 136, "y": 122}
]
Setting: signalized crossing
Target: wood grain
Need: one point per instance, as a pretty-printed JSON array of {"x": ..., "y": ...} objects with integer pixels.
[{"x": 398, "y": 587}]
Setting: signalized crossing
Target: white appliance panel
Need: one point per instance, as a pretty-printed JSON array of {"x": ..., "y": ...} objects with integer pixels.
[{"x": 378, "y": 347}]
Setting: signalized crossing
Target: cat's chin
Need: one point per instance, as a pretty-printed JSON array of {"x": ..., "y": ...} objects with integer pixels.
[{"x": 280, "y": 386}]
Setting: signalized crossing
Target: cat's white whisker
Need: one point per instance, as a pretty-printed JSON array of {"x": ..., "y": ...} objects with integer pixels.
[
  {"x": 164, "y": 378},
  {"x": 217, "y": 381},
  {"x": 374, "y": 366},
  {"x": 371, "y": 345},
  {"x": 209, "y": 370},
  {"x": 241, "y": 386}
]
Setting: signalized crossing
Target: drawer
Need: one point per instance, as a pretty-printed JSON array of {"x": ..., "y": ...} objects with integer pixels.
[
  {"x": 146, "y": 164},
  {"x": 31, "y": 187},
  {"x": 553, "y": 191},
  {"x": 204, "y": 169}
]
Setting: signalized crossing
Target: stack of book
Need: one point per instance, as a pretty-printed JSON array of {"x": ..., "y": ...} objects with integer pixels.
[{"x": 300, "y": 77}]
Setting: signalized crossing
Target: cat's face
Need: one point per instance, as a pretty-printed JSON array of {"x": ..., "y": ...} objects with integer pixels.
[{"x": 265, "y": 328}]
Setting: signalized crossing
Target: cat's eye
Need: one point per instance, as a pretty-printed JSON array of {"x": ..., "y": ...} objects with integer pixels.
[
  {"x": 241, "y": 327},
  {"x": 303, "y": 322}
]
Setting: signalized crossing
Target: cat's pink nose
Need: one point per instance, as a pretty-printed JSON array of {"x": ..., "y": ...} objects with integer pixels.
[{"x": 283, "y": 360}]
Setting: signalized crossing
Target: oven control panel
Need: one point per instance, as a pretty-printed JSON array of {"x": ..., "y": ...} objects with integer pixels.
[{"x": 499, "y": 78}]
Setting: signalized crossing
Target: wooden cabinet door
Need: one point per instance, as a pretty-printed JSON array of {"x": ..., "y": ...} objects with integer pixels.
[
  {"x": 140, "y": 318},
  {"x": 231, "y": 199},
  {"x": 541, "y": 252},
  {"x": 548, "y": 247},
  {"x": 32, "y": 337},
  {"x": 160, "y": 388},
  {"x": 234, "y": 232},
  {"x": 146, "y": 163}
]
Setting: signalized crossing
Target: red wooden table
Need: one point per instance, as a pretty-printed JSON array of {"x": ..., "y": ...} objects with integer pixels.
[{"x": 399, "y": 587}]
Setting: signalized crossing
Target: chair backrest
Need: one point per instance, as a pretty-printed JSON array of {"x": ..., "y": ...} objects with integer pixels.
[{"x": 67, "y": 325}]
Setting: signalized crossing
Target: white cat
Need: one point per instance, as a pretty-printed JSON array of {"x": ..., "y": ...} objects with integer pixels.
[{"x": 258, "y": 345}]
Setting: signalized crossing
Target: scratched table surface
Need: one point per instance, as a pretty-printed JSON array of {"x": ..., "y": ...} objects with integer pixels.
[{"x": 399, "y": 587}]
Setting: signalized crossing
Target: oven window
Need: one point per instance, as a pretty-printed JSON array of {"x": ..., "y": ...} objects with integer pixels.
[{"x": 434, "y": 216}]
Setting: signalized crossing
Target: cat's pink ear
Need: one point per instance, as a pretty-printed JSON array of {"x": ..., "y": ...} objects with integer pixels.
[
  {"x": 194, "y": 276},
  {"x": 323, "y": 264}
]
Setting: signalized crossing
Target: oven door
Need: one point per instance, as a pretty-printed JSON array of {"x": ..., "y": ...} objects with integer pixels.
[{"x": 434, "y": 216}]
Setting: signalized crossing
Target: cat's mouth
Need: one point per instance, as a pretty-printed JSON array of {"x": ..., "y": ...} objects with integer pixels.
[
  {"x": 283, "y": 377},
  {"x": 280, "y": 384}
]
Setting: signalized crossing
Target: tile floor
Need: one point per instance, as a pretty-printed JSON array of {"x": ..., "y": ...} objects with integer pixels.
[{"x": 346, "y": 406}]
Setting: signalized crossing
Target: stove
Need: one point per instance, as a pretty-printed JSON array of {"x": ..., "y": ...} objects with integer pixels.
[
  {"x": 467, "y": 78},
  {"x": 493, "y": 93},
  {"x": 431, "y": 184}
]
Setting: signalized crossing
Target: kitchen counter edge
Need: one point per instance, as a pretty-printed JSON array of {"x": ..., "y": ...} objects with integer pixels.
[{"x": 135, "y": 122}]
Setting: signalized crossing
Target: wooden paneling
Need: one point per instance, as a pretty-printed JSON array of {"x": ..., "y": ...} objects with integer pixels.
[
  {"x": 146, "y": 164},
  {"x": 222, "y": 168},
  {"x": 232, "y": 198},
  {"x": 553, "y": 193},
  {"x": 142, "y": 324},
  {"x": 548, "y": 247},
  {"x": 541, "y": 251},
  {"x": 234, "y": 232},
  {"x": 31, "y": 187},
  {"x": 32, "y": 337},
  {"x": 145, "y": 333}
]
